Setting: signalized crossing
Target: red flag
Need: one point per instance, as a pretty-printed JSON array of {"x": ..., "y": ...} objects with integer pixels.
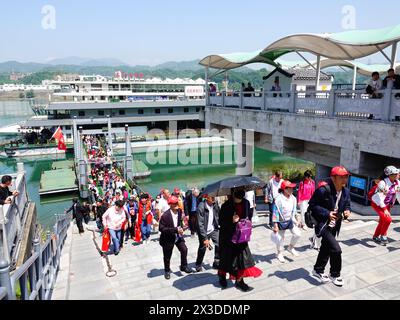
[
  {"x": 61, "y": 144},
  {"x": 136, "y": 75},
  {"x": 131, "y": 75},
  {"x": 141, "y": 75},
  {"x": 58, "y": 134}
]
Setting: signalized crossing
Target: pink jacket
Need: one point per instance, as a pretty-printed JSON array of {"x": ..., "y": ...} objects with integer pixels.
[{"x": 306, "y": 191}]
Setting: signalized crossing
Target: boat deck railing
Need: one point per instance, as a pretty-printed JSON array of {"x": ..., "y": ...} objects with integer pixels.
[{"x": 384, "y": 105}]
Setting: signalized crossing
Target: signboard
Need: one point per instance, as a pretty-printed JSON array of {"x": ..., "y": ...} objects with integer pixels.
[
  {"x": 194, "y": 91},
  {"x": 358, "y": 185}
]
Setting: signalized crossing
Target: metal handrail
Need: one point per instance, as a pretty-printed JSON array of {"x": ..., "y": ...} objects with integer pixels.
[{"x": 36, "y": 278}]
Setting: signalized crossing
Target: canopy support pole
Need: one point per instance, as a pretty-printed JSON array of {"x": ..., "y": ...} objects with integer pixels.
[
  {"x": 318, "y": 72},
  {"x": 384, "y": 54},
  {"x": 305, "y": 59},
  {"x": 394, "y": 53},
  {"x": 354, "y": 78},
  {"x": 226, "y": 81},
  {"x": 206, "y": 86}
]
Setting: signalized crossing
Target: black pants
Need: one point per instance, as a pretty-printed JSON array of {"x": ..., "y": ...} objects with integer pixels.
[
  {"x": 330, "y": 250},
  {"x": 193, "y": 222},
  {"x": 167, "y": 251},
  {"x": 214, "y": 236},
  {"x": 79, "y": 223}
]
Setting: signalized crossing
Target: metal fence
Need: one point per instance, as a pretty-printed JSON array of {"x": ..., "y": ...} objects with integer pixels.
[
  {"x": 12, "y": 218},
  {"x": 36, "y": 278}
]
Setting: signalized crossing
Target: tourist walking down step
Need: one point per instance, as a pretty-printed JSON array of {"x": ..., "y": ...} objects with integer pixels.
[
  {"x": 271, "y": 192},
  {"x": 305, "y": 192},
  {"x": 330, "y": 205},
  {"x": 113, "y": 220},
  {"x": 286, "y": 218},
  {"x": 172, "y": 230},
  {"x": 144, "y": 218},
  {"x": 207, "y": 229},
  {"x": 383, "y": 197},
  {"x": 235, "y": 258},
  {"x": 191, "y": 203},
  {"x": 78, "y": 213}
]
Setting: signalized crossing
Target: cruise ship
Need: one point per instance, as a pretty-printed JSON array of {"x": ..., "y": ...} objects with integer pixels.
[{"x": 95, "y": 102}]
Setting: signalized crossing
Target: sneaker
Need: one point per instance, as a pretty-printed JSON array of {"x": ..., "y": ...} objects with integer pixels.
[
  {"x": 186, "y": 270},
  {"x": 243, "y": 286},
  {"x": 199, "y": 268},
  {"x": 167, "y": 275},
  {"x": 281, "y": 258},
  {"x": 322, "y": 277},
  {"x": 294, "y": 252},
  {"x": 377, "y": 240},
  {"x": 337, "y": 281},
  {"x": 384, "y": 241}
]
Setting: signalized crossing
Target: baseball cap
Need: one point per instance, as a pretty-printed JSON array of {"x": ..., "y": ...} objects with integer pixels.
[
  {"x": 340, "y": 171},
  {"x": 287, "y": 184},
  {"x": 173, "y": 200}
]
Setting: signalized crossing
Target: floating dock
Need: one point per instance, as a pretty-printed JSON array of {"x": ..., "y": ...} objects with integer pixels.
[
  {"x": 61, "y": 179},
  {"x": 140, "y": 170}
]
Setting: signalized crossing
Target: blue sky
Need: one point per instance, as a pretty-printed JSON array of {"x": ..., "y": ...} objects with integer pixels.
[{"x": 152, "y": 32}]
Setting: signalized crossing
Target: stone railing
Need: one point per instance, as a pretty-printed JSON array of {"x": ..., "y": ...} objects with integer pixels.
[
  {"x": 35, "y": 279},
  {"x": 384, "y": 106}
]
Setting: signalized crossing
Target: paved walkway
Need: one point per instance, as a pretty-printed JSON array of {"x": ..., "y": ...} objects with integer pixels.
[{"x": 369, "y": 272}]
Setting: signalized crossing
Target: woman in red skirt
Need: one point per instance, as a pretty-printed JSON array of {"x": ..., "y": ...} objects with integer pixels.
[{"x": 236, "y": 259}]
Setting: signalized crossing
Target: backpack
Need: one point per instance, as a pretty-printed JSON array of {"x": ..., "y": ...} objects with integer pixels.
[
  {"x": 309, "y": 219},
  {"x": 243, "y": 232},
  {"x": 372, "y": 192}
]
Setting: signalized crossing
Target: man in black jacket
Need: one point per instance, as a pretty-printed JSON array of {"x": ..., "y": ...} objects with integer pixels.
[
  {"x": 191, "y": 202},
  {"x": 207, "y": 229},
  {"x": 392, "y": 81},
  {"x": 330, "y": 205},
  {"x": 5, "y": 193},
  {"x": 172, "y": 230},
  {"x": 78, "y": 212}
]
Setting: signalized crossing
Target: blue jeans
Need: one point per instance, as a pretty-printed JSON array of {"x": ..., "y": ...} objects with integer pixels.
[
  {"x": 146, "y": 231},
  {"x": 116, "y": 239}
]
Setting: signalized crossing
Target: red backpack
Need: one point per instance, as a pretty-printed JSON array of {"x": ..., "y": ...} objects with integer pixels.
[{"x": 372, "y": 192}]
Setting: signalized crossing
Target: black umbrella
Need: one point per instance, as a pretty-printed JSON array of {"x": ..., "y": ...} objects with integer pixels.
[{"x": 224, "y": 187}]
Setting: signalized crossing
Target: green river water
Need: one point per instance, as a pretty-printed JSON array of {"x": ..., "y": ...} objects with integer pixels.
[{"x": 163, "y": 175}]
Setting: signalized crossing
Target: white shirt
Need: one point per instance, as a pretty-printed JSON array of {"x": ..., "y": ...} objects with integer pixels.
[
  {"x": 275, "y": 186},
  {"x": 163, "y": 205},
  {"x": 251, "y": 196},
  {"x": 383, "y": 187},
  {"x": 287, "y": 207},
  {"x": 210, "y": 226},
  {"x": 175, "y": 218}
]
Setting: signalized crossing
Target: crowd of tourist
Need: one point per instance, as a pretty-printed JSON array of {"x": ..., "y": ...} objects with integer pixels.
[{"x": 127, "y": 214}]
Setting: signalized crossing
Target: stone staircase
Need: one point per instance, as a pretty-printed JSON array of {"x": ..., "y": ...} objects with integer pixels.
[{"x": 370, "y": 271}]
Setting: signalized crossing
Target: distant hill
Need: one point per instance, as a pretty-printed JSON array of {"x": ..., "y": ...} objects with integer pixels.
[{"x": 22, "y": 67}]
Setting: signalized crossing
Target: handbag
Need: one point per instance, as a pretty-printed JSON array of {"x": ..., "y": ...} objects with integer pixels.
[
  {"x": 105, "y": 246},
  {"x": 242, "y": 232},
  {"x": 284, "y": 225}
]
